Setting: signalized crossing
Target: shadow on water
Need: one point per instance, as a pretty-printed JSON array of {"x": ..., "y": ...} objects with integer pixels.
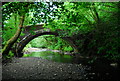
[{"x": 100, "y": 69}]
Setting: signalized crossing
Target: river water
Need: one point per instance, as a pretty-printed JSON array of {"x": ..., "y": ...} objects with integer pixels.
[{"x": 53, "y": 56}]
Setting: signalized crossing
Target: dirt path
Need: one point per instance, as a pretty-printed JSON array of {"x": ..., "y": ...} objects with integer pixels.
[{"x": 33, "y": 68}]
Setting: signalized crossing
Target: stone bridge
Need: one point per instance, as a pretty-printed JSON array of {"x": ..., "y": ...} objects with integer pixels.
[{"x": 32, "y": 32}]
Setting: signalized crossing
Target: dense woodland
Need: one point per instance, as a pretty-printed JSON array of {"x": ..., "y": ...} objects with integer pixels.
[{"x": 94, "y": 27}]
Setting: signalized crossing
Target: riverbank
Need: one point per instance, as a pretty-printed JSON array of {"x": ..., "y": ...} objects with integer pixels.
[
  {"x": 34, "y": 68},
  {"x": 79, "y": 69},
  {"x": 30, "y": 50}
]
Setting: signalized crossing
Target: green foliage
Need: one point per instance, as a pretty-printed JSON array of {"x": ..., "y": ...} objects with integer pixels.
[
  {"x": 59, "y": 44},
  {"x": 10, "y": 27},
  {"x": 38, "y": 42},
  {"x": 16, "y": 7},
  {"x": 10, "y": 55},
  {"x": 50, "y": 42},
  {"x": 69, "y": 48},
  {"x": 27, "y": 46},
  {"x": 93, "y": 26}
]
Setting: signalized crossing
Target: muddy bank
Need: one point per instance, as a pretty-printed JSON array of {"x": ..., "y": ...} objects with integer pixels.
[{"x": 33, "y": 68}]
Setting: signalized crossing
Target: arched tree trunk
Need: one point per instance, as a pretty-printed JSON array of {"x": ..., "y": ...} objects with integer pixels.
[{"x": 12, "y": 40}]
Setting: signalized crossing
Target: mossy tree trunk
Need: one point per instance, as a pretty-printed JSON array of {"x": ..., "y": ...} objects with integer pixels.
[{"x": 12, "y": 40}]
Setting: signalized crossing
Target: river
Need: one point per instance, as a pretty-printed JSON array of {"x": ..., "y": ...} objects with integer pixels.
[{"x": 53, "y": 55}]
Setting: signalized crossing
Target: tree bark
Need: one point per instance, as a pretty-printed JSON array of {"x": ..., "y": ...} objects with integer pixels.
[
  {"x": 12, "y": 40},
  {"x": 70, "y": 42}
]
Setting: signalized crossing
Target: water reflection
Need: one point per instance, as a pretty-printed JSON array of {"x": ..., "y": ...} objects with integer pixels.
[{"x": 54, "y": 56}]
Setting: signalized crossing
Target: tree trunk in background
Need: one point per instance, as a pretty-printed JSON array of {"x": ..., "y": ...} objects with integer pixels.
[
  {"x": 12, "y": 40},
  {"x": 70, "y": 42}
]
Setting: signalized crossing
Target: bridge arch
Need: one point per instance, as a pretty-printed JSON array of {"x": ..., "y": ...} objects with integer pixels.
[
  {"x": 38, "y": 31},
  {"x": 27, "y": 38}
]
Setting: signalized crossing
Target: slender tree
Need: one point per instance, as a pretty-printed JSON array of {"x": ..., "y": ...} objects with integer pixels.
[{"x": 21, "y": 9}]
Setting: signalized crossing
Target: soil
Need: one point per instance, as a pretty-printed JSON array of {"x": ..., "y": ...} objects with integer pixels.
[{"x": 33, "y": 68}]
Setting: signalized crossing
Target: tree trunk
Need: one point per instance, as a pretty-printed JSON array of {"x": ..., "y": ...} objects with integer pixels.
[
  {"x": 70, "y": 42},
  {"x": 12, "y": 40}
]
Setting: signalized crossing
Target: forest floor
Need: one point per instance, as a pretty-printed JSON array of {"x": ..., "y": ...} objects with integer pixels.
[
  {"x": 33, "y": 68},
  {"x": 38, "y": 69}
]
